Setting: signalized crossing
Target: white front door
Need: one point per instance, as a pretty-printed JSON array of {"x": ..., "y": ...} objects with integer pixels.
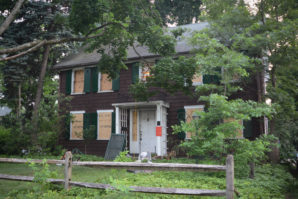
[{"x": 147, "y": 131}]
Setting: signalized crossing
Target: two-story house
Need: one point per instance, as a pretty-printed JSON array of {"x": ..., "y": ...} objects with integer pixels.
[{"x": 108, "y": 106}]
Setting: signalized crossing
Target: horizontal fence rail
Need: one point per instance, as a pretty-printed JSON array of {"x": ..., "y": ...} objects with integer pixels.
[
  {"x": 176, "y": 191},
  {"x": 68, "y": 163},
  {"x": 129, "y": 165}
]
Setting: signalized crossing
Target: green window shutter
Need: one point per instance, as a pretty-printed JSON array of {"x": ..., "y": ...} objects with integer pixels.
[
  {"x": 212, "y": 79},
  {"x": 86, "y": 121},
  {"x": 94, "y": 79},
  {"x": 181, "y": 117},
  {"x": 247, "y": 131},
  {"x": 67, "y": 126},
  {"x": 68, "y": 82},
  {"x": 135, "y": 73},
  {"x": 116, "y": 83},
  {"x": 93, "y": 122},
  {"x": 87, "y": 80},
  {"x": 113, "y": 123}
]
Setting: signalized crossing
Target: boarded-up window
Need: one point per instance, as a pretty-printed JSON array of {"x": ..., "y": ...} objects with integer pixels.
[
  {"x": 197, "y": 80},
  {"x": 239, "y": 133},
  {"x": 104, "y": 125},
  {"x": 145, "y": 71},
  {"x": 77, "y": 126},
  {"x": 78, "y": 82},
  {"x": 105, "y": 83},
  {"x": 190, "y": 114},
  {"x": 134, "y": 126}
]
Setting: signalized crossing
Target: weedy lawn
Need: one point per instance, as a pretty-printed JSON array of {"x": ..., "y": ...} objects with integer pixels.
[{"x": 270, "y": 182}]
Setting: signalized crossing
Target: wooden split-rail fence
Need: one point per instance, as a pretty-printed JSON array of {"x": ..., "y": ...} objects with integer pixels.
[{"x": 68, "y": 163}]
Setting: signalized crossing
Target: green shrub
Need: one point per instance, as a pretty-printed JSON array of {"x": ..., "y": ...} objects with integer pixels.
[{"x": 122, "y": 157}]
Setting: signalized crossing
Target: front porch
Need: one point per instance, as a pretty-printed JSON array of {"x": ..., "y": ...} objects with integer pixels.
[{"x": 144, "y": 125}]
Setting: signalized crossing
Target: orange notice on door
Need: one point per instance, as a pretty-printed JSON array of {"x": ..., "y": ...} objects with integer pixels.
[{"x": 158, "y": 131}]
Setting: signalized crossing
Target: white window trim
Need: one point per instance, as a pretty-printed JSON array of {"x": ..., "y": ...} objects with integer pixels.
[
  {"x": 72, "y": 80},
  {"x": 99, "y": 85},
  {"x": 70, "y": 128},
  {"x": 102, "y": 111},
  {"x": 197, "y": 83}
]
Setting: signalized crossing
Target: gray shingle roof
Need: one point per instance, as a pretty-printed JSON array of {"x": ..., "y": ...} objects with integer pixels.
[{"x": 83, "y": 58}]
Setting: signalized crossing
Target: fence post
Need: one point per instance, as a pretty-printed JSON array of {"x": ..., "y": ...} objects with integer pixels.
[
  {"x": 67, "y": 169},
  {"x": 230, "y": 177}
]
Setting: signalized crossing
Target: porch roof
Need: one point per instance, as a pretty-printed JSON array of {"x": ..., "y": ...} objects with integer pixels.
[{"x": 141, "y": 104}]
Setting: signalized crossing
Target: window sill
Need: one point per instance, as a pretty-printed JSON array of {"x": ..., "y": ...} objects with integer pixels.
[
  {"x": 107, "y": 91},
  {"x": 77, "y": 93},
  {"x": 76, "y": 139},
  {"x": 197, "y": 84}
]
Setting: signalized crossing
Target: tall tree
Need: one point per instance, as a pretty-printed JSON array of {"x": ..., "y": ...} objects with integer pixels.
[{"x": 178, "y": 12}]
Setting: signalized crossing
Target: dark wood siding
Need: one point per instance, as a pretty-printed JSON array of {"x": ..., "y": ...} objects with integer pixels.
[{"x": 91, "y": 102}]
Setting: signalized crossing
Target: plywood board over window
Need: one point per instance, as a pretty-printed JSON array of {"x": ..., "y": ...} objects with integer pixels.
[
  {"x": 78, "y": 84},
  {"x": 104, "y": 125},
  {"x": 190, "y": 114},
  {"x": 197, "y": 79},
  {"x": 134, "y": 125},
  {"x": 145, "y": 71},
  {"x": 105, "y": 83},
  {"x": 77, "y": 126},
  {"x": 239, "y": 133}
]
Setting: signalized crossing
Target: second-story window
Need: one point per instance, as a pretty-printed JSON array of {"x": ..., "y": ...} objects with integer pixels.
[
  {"x": 89, "y": 80},
  {"x": 104, "y": 83},
  {"x": 78, "y": 81}
]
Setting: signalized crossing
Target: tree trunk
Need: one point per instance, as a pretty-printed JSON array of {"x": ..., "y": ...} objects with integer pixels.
[
  {"x": 274, "y": 154},
  {"x": 39, "y": 92},
  {"x": 11, "y": 16},
  {"x": 19, "y": 101},
  {"x": 260, "y": 95},
  {"x": 252, "y": 170}
]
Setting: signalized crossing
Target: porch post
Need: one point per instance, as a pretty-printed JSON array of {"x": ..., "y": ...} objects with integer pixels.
[
  {"x": 158, "y": 138},
  {"x": 117, "y": 120}
]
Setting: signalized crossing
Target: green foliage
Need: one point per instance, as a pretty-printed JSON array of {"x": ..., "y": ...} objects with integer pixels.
[
  {"x": 212, "y": 130},
  {"x": 5, "y": 134},
  {"x": 120, "y": 24},
  {"x": 122, "y": 157},
  {"x": 271, "y": 181},
  {"x": 246, "y": 152},
  {"x": 180, "y": 12},
  {"x": 41, "y": 174}
]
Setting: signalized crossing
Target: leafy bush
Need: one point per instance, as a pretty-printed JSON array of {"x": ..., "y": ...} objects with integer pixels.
[{"x": 122, "y": 157}]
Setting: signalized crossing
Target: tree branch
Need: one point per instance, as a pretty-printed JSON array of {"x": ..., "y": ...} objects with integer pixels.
[
  {"x": 34, "y": 45},
  {"x": 11, "y": 16},
  {"x": 24, "y": 52}
]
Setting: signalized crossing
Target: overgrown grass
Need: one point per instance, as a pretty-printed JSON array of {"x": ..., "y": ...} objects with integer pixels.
[{"x": 270, "y": 181}]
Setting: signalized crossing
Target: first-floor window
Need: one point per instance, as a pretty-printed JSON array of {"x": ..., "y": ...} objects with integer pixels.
[
  {"x": 197, "y": 80},
  {"x": 105, "y": 124},
  {"x": 191, "y": 113},
  {"x": 239, "y": 132},
  {"x": 76, "y": 125}
]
